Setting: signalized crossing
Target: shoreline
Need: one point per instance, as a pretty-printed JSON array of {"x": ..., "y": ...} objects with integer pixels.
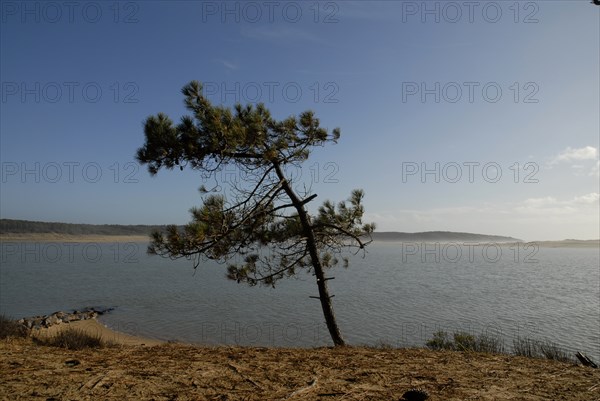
[
  {"x": 592, "y": 243},
  {"x": 89, "y": 238},
  {"x": 95, "y": 328}
]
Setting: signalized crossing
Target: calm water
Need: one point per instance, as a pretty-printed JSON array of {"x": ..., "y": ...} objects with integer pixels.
[{"x": 398, "y": 294}]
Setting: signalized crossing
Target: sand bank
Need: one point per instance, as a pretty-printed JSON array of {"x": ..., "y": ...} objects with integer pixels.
[{"x": 94, "y": 327}]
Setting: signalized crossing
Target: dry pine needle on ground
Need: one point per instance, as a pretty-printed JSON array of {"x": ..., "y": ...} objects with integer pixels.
[{"x": 183, "y": 372}]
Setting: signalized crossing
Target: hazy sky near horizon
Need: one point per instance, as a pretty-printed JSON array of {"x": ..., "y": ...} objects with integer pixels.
[{"x": 462, "y": 116}]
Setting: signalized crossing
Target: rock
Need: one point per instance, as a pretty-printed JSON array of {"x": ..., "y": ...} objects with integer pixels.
[
  {"x": 102, "y": 311},
  {"x": 55, "y": 318}
]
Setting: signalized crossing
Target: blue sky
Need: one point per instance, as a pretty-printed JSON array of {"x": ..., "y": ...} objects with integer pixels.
[{"x": 480, "y": 118}]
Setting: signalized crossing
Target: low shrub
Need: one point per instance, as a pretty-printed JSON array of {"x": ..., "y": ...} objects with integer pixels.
[
  {"x": 464, "y": 341},
  {"x": 440, "y": 341}
]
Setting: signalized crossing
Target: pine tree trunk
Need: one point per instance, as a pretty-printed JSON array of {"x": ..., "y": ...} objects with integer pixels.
[{"x": 311, "y": 243}]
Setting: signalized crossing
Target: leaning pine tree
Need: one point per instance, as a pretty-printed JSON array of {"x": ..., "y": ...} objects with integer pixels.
[{"x": 264, "y": 210}]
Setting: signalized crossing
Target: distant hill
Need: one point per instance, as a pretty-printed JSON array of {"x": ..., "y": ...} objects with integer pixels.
[
  {"x": 9, "y": 226},
  {"x": 440, "y": 236}
]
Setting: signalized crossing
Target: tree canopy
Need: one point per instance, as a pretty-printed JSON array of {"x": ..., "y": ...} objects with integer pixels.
[{"x": 261, "y": 228}]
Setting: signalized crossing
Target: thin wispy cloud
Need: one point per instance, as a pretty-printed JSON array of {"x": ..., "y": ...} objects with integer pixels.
[
  {"x": 577, "y": 158},
  {"x": 279, "y": 34},
  {"x": 589, "y": 199},
  {"x": 227, "y": 64},
  {"x": 367, "y": 11},
  {"x": 595, "y": 171},
  {"x": 573, "y": 154},
  {"x": 566, "y": 214},
  {"x": 549, "y": 205}
]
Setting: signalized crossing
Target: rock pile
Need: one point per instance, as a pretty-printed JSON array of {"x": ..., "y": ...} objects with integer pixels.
[{"x": 38, "y": 322}]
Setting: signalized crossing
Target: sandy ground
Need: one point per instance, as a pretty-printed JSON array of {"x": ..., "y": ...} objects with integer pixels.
[{"x": 184, "y": 372}]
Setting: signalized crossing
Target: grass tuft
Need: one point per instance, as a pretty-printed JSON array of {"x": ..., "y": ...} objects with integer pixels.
[
  {"x": 73, "y": 339},
  {"x": 10, "y": 328},
  {"x": 551, "y": 350},
  {"x": 525, "y": 347},
  {"x": 540, "y": 349},
  {"x": 463, "y": 341}
]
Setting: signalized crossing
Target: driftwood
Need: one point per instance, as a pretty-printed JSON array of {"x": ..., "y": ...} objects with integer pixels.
[
  {"x": 310, "y": 386},
  {"x": 585, "y": 361}
]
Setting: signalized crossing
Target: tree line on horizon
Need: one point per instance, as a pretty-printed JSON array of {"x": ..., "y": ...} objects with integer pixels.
[
  {"x": 10, "y": 226},
  {"x": 13, "y": 226}
]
